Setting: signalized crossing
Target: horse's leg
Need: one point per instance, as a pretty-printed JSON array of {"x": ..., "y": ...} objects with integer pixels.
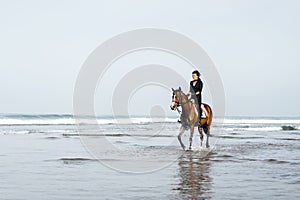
[
  {"x": 182, "y": 129},
  {"x": 201, "y": 134},
  {"x": 207, "y": 136},
  {"x": 191, "y": 136}
]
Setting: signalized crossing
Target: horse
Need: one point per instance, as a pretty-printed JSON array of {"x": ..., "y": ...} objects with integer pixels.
[{"x": 189, "y": 117}]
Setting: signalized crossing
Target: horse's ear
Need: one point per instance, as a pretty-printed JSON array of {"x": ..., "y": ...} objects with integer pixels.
[
  {"x": 179, "y": 88},
  {"x": 173, "y": 90}
]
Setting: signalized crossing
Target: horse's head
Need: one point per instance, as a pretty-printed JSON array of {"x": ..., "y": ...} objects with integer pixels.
[{"x": 177, "y": 98}]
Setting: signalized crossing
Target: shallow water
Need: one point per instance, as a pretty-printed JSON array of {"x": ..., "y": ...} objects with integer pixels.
[{"x": 252, "y": 158}]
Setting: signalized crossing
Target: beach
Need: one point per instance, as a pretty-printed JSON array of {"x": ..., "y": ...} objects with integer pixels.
[{"x": 47, "y": 157}]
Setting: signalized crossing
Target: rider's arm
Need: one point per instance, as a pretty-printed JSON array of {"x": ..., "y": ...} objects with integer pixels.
[{"x": 199, "y": 86}]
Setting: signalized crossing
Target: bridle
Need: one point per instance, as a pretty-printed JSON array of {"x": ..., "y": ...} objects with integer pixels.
[{"x": 177, "y": 103}]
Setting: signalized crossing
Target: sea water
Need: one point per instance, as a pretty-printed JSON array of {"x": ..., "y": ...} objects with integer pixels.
[{"x": 48, "y": 157}]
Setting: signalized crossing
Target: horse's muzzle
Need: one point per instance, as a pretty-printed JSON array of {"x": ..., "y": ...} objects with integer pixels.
[{"x": 173, "y": 106}]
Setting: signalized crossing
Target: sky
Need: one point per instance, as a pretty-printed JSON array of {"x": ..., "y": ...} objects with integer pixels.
[{"x": 253, "y": 43}]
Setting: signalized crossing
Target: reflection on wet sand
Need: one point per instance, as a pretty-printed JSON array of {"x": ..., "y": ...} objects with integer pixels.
[{"x": 193, "y": 176}]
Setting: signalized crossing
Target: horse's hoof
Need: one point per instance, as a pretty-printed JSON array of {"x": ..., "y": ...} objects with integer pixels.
[{"x": 207, "y": 146}]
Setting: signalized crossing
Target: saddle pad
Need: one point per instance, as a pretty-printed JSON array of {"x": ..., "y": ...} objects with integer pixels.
[{"x": 204, "y": 111}]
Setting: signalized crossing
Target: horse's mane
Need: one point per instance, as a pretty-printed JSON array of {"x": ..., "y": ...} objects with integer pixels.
[{"x": 179, "y": 90}]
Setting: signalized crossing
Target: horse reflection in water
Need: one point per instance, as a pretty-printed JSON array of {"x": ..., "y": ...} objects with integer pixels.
[{"x": 193, "y": 174}]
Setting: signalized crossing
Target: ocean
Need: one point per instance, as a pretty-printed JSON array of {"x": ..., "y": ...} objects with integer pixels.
[{"x": 58, "y": 157}]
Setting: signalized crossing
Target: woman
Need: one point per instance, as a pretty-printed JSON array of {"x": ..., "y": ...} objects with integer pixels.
[{"x": 196, "y": 86}]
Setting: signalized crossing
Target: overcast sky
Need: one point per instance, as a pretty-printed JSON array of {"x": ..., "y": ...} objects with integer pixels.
[{"x": 254, "y": 44}]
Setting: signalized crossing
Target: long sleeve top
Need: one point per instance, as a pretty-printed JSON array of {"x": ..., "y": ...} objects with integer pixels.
[{"x": 197, "y": 88}]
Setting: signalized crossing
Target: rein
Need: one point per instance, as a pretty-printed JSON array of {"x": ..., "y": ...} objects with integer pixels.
[{"x": 182, "y": 104}]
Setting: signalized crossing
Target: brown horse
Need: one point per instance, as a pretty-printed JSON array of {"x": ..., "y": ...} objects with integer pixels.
[{"x": 189, "y": 117}]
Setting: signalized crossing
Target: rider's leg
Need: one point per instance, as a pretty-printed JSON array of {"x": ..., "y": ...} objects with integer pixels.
[{"x": 199, "y": 107}]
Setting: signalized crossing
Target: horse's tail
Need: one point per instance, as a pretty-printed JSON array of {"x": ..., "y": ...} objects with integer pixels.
[
  {"x": 206, "y": 126},
  {"x": 209, "y": 113}
]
